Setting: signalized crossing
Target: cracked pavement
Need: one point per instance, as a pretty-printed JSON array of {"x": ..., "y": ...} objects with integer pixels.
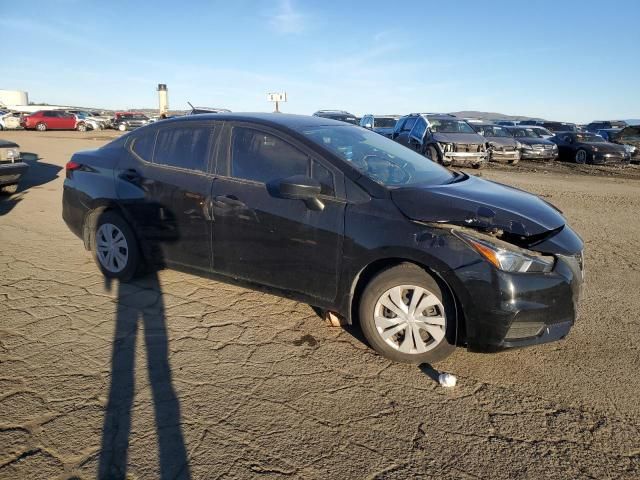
[{"x": 176, "y": 376}]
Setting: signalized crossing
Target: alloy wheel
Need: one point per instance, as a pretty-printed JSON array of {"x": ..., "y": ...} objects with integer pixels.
[
  {"x": 581, "y": 156},
  {"x": 112, "y": 248},
  {"x": 410, "y": 319}
]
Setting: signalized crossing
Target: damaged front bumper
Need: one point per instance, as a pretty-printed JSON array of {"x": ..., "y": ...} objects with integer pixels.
[
  {"x": 464, "y": 158},
  {"x": 10, "y": 172},
  {"x": 505, "y": 309}
]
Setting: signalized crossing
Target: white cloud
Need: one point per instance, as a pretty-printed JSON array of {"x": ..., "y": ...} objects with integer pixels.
[{"x": 287, "y": 20}]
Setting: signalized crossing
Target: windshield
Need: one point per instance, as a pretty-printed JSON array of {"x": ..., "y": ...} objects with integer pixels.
[
  {"x": 588, "y": 138},
  {"x": 525, "y": 133},
  {"x": 495, "y": 132},
  {"x": 542, "y": 131},
  {"x": 385, "y": 122},
  {"x": 377, "y": 157},
  {"x": 441, "y": 125}
]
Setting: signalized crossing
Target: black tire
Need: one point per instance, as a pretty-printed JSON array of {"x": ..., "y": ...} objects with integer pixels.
[
  {"x": 41, "y": 127},
  {"x": 134, "y": 261},
  {"x": 9, "y": 189},
  {"x": 406, "y": 274},
  {"x": 432, "y": 153},
  {"x": 581, "y": 156}
]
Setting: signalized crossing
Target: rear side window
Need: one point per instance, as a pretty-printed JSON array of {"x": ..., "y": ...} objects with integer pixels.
[
  {"x": 408, "y": 125},
  {"x": 183, "y": 147},
  {"x": 143, "y": 145},
  {"x": 261, "y": 157}
]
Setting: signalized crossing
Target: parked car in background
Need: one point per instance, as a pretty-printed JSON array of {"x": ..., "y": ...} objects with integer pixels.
[
  {"x": 529, "y": 123},
  {"x": 532, "y": 145},
  {"x": 92, "y": 122},
  {"x": 594, "y": 126},
  {"x": 382, "y": 124},
  {"x": 11, "y": 166},
  {"x": 124, "y": 121},
  {"x": 607, "y": 133},
  {"x": 443, "y": 138},
  {"x": 9, "y": 120},
  {"x": 335, "y": 216},
  {"x": 501, "y": 145},
  {"x": 555, "y": 127},
  {"x": 540, "y": 130},
  {"x": 629, "y": 138},
  {"x": 586, "y": 147},
  {"x": 506, "y": 123},
  {"x": 52, "y": 120},
  {"x": 340, "y": 115}
]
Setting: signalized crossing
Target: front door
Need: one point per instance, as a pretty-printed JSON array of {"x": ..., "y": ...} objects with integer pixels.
[
  {"x": 274, "y": 241},
  {"x": 164, "y": 185}
]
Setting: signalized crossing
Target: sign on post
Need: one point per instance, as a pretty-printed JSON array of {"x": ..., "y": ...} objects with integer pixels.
[{"x": 277, "y": 98}]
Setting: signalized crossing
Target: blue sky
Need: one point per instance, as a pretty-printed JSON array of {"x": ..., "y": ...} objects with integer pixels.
[{"x": 569, "y": 60}]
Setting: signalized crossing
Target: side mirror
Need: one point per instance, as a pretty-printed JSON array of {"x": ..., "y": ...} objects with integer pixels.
[
  {"x": 301, "y": 187},
  {"x": 367, "y": 125}
]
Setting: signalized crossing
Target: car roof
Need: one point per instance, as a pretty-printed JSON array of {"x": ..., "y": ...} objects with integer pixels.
[{"x": 287, "y": 120}]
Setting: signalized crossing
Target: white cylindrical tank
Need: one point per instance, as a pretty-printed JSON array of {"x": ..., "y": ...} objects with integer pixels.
[
  {"x": 163, "y": 98},
  {"x": 14, "y": 97}
]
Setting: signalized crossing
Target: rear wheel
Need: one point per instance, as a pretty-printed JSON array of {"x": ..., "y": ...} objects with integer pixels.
[
  {"x": 41, "y": 127},
  {"x": 405, "y": 316},
  {"x": 115, "y": 247}
]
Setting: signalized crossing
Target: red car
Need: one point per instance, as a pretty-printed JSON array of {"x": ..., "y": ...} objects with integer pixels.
[{"x": 52, "y": 120}]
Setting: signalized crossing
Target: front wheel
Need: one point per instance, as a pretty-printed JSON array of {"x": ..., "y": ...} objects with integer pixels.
[
  {"x": 115, "y": 247},
  {"x": 82, "y": 127},
  {"x": 406, "y": 317},
  {"x": 41, "y": 127},
  {"x": 432, "y": 153},
  {"x": 581, "y": 156},
  {"x": 122, "y": 128}
]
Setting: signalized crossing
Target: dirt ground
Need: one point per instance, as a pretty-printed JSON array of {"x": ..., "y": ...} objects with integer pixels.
[{"x": 176, "y": 376}]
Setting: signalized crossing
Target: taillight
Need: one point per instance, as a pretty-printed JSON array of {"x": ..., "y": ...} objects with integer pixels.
[{"x": 70, "y": 167}]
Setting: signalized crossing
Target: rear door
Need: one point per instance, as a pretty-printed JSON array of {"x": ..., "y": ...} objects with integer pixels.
[
  {"x": 273, "y": 241},
  {"x": 51, "y": 119},
  {"x": 164, "y": 184}
]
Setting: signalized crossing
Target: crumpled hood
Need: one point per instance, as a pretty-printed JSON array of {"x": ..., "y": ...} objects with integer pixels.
[
  {"x": 472, "y": 138},
  {"x": 479, "y": 203}
]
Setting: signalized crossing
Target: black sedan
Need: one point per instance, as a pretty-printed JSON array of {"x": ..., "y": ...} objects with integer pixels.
[
  {"x": 589, "y": 148},
  {"x": 336, "y": 216}
]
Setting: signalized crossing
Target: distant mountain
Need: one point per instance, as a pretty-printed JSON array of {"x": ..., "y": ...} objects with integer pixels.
[{"x": 491, "y": 115}]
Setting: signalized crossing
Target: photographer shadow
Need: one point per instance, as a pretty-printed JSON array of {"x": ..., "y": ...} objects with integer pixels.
[{"x": 141, "y": 310}]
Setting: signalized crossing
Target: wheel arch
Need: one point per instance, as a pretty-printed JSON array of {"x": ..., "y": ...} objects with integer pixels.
[{"x": 371, "y": 269}]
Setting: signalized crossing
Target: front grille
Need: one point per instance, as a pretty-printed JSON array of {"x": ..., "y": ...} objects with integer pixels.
[{"x": 467, "y": 147}]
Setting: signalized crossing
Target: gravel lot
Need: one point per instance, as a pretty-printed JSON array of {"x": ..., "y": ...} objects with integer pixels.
[{"x": 176, "y": 376}]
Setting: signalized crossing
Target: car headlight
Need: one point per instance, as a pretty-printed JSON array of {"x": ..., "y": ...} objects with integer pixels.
[
  {"x": 555, "y": 147},
  {"x": 525, "y": 146},
  {"x": 509, "y": 258},
  {"x": 595, "y": 149},
  {"x": 630, "y": 149},
  {"x": 519, "y": 145},
  {"x": 13, "y": 154}
]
